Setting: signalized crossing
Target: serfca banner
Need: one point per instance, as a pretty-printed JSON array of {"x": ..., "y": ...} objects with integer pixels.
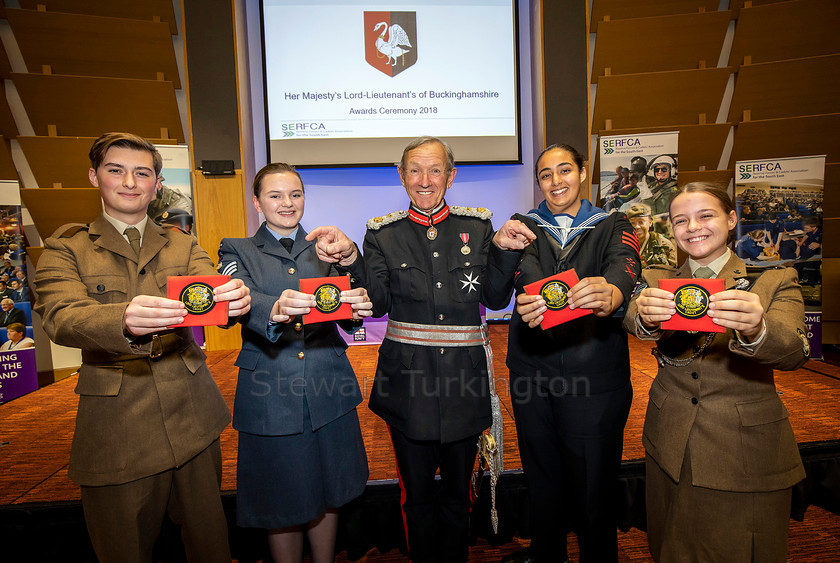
[
  {"x": 639, "y": 177},
  {"x": 779, "y": 206}
]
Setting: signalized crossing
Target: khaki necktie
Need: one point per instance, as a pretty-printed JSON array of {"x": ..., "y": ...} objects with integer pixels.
[
  {"x": 704, "y": 272},
  {"x": 133, "y": 236}
]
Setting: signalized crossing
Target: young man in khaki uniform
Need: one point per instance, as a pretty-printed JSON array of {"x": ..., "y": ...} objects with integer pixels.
[{"x": 150, "y": 414}]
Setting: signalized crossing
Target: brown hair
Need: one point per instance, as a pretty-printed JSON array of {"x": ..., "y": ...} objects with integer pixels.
[
  {"x": 715, "y": 190},
  {"x": 274, "y": 168},
  {"x": 125, "y": 140},
  {"x": 17, "y": 327}
]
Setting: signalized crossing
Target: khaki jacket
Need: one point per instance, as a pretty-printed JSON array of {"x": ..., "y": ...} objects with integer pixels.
[
  {"x": 724, "y": 403},
  {"x": 137, "y": 416}
]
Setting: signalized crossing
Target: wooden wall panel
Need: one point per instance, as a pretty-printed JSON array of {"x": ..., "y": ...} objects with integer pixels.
[
  {"x": 8, "y": 127},
  {"x": 736, "y": 5},
  {"x": 5, "y": 65},
  {"x": 161, "y": 10},
  {"x": 87, "y": 106},
  {"x": 94, "y": 45},
  {"x": 219, "y": 213},
  {"x": 787, "y": 89},
  {"x": 51, "y": 208},
  {"x": 796, "y": 136},
  {"x": 677, "y": 42},
  {"x": 7, "y": 165},
  {"x": 659, "y": 98},
  {"x": 622, "y": 9},
  {"x": 787, "y": 30}
]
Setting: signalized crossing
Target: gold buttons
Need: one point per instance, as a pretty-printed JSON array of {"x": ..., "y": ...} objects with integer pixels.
[
  {"x": 441, "y": 317},
  {"x": 403, "y": 265},
  {"x": 291, "y": 271},
  {"x": 298, "y": 327},
  {"x": 300, "y": 355},
  {"x": 435, "y": 254}
]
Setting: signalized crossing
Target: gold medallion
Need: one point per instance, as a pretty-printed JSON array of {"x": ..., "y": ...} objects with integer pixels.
[
  {"x": 465, "y": 250},
  {"x": 431, "y": 234},
  {"x": 197, "y": 297}
]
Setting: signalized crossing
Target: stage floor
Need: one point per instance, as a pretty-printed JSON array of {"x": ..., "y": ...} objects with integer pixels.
[{"x": 38, "y": 427}]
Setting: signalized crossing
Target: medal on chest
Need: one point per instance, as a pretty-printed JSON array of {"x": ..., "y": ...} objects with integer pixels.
[{"x": 465, "y": 238}]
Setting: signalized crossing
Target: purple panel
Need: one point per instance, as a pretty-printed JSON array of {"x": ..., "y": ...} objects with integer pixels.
[{"x": 18, "y": 375}]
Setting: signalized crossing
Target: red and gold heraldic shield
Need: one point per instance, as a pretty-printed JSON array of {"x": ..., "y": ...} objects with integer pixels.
[
  {"x": 196, "y": 293},
  {"x": 391, "y": 41},
  {"x": 328, "y": 305}
]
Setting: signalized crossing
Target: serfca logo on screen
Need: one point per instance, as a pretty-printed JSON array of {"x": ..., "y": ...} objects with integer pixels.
[{"x": 302, "y": 126}]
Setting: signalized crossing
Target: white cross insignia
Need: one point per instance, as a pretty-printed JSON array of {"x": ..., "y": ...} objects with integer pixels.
[{"x": 470, "y": 282}]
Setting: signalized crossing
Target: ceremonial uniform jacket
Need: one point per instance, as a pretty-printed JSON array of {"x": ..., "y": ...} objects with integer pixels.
[
  {"x": 283, "y": 367},
  {"x": 137, "y": 415},
  {"x": 435, "y": 393},
  {"x": 724, "y": 403},
  {"x": 588, "y": 354}
]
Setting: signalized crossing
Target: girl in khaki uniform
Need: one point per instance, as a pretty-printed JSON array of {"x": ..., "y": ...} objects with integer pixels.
[{"x": 721, "y": 456}]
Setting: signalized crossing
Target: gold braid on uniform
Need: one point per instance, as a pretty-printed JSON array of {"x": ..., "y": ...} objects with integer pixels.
[
  {"x": 480, "y": 212},
  {"x": 377, "y": 223}
]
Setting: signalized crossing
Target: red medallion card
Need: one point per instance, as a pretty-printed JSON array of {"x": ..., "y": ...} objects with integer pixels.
[
  {"x": 554, "y": 290},
  {"x": 196, "y": 293},
  {"x": 692, "y": 300},
  {"x": 327, "y": 292}
]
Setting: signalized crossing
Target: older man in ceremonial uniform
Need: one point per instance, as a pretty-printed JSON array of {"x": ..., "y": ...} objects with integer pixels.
[{"x": 429, "y": 269}]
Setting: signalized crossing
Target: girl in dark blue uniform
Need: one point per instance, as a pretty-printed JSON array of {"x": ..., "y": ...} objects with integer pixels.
[
  {"x": 570, "y": 384},
  {"x": 301, "y": 454}
]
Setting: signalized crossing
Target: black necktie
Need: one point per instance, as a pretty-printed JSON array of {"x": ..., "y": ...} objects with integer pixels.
[{"x": 287, "y": 244}]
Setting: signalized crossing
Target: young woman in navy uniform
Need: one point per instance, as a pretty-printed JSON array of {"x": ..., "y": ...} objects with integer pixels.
[
  {"x": 721, "y": 456},
  {"x": 570, "y": 384},
  {"x": 301, "y": 454}
]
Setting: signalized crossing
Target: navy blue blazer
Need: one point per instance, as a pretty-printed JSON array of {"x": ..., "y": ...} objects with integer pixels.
[{"x": 280, "y": 365}]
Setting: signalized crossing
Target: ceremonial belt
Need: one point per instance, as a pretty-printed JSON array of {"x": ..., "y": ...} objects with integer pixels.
[
  {"x": 463, "y": 336},
  {"x": 437, "y": 335},
  {"x": 162, "y": 344}
]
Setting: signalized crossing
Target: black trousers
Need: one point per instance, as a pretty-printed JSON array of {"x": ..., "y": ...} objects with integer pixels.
[
  {"x": 570, "y": 447},
  {"x": 437, "y": 519}
]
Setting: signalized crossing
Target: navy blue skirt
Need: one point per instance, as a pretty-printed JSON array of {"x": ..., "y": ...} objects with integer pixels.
[{"x": 290, "y": 480}]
